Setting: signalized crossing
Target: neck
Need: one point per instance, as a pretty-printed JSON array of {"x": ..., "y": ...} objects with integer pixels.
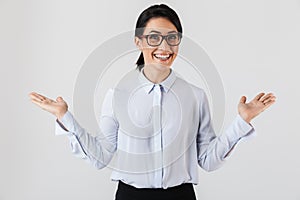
[{"x": 156, "y": 75}]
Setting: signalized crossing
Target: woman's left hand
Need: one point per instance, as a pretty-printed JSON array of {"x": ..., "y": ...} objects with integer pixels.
[{"x": 250, "y": 110}]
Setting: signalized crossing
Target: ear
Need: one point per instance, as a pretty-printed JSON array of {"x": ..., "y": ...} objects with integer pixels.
[{"x": 138, "y": 43}]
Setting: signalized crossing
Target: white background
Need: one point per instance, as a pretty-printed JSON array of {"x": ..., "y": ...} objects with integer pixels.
[{"x": 254, "y": 44}]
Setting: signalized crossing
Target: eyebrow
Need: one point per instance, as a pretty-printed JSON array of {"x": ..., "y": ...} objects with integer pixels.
[{"x": 153, "y": 31}]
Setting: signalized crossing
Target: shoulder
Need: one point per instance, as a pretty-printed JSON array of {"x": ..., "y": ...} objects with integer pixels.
[
  {"x": 109, "y": 94},
  {"x": 198, "y": 91}
]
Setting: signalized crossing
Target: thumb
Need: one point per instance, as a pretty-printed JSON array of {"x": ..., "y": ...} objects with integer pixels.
[
  {"x": 243, "y": 99},
  {"x": 59, "y": 99}
]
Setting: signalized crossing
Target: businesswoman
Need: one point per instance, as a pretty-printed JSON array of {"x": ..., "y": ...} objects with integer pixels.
[{"x": 156, "y": 126}]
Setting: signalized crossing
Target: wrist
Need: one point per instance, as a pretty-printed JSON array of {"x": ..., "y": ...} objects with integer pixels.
[
  {"x": 60, "y": 115},
  {"x": 246, "y": 118}
]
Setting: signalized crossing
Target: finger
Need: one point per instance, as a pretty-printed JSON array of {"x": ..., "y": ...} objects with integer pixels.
[
  {"x": 35, "y": 97},
  {"x": 34, "y": 94},
  {"x": 272, "y": 98},
  {"x": 259, "y": 96},
  {"x": 37, "y": 102},
  {"x": 41, "y": 97},
  {"x": 59, "y": 99},
  {"x": 266, "y": 96},
  {"x": 243, "y": 99},
  {"x": 267, "y": 105},
  {"x": 38, "y": 96}
]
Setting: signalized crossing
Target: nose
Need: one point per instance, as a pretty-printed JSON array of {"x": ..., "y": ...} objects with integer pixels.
[{"x": 164, "y": 45}]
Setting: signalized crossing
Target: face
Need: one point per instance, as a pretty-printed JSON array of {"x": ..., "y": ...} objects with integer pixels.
[{"x": 162, "y": 56}]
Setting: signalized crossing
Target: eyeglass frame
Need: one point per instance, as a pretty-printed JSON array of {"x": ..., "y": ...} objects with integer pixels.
[{"x": 164, "y": 37}]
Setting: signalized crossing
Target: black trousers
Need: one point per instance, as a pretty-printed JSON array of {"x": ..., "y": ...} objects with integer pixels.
[{"x": 180, "y": 192}]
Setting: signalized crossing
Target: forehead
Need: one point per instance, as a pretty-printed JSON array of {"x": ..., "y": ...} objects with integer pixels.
[{"x": 160, "y": 24}]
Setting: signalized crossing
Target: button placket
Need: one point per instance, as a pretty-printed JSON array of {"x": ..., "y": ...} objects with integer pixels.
[{"x": 157, "y": 128}]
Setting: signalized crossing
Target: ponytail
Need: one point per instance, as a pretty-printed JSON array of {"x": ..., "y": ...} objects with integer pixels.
[{"x": 140, "y": 62}]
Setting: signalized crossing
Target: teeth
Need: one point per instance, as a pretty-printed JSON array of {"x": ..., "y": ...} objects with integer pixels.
[{"x": 162, "y": 56}]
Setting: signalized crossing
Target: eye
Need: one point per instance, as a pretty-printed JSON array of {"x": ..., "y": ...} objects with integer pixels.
[
  {"x": 173, "y": 37},
  {"x": 154, "y": 37}
]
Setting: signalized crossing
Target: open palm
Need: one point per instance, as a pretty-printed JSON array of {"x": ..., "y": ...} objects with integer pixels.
[
  {"x": 250, "y": 110},
  {"x": 58, "y": 107}
]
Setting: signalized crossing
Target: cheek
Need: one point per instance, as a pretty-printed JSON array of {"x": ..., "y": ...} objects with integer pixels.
[
  {"x": 175, "y": 50},
  {"x": 148, "y": 51}
]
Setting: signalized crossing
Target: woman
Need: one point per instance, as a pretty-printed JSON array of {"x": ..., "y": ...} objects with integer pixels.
[{"x": 156, "y": 154}]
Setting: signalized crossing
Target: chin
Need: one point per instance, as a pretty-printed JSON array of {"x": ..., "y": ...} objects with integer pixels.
[
  {"x": 165, "y": 66},
  {"x": 160, "y": 66}
]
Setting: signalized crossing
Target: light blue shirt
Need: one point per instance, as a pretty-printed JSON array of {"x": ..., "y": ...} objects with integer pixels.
[{"x": 154, "y": 135}]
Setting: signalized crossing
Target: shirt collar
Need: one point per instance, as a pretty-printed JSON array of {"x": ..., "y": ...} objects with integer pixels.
[{"x": 148, "y": 85}]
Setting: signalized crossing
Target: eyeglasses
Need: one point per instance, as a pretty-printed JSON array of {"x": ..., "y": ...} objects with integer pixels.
[{"x": 155, "y": 40}]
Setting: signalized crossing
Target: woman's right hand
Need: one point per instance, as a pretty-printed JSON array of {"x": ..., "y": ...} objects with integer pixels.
[{"x": 58, "y": 107}]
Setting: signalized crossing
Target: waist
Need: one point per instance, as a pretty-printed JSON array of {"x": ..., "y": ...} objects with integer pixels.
[{"x": 174, "y": 192}]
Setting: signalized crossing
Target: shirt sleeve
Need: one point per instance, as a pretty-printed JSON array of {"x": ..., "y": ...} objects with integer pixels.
[
  {"x": 214, "y": 150},
  {"x": 97, "y": 150}
]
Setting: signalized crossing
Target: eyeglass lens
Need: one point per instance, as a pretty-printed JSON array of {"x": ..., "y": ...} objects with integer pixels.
[{"x": 156, "y": 39}]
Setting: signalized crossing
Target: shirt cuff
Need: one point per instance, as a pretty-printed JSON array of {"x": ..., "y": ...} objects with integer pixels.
[
  {"x": 239, "y": 130},
  {"x": 65, "y": 125}
]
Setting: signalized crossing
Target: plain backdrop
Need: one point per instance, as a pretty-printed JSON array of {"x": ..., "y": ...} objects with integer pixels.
[{"x": 254, "y": 44}]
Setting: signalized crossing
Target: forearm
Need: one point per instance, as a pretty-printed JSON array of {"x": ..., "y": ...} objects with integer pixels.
[
  {"x": 215, "y": 150},
  {"x": 97, "y": 151}
]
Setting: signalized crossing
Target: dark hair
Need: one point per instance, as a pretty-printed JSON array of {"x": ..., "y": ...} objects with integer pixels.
[{"x": 154, "y": 11}]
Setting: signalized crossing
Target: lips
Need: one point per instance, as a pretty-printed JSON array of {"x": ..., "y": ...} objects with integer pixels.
[{"x": 163, "y": 57}]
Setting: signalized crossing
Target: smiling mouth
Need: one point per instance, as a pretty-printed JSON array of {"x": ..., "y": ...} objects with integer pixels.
[{"x": 163, "y": 57}]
